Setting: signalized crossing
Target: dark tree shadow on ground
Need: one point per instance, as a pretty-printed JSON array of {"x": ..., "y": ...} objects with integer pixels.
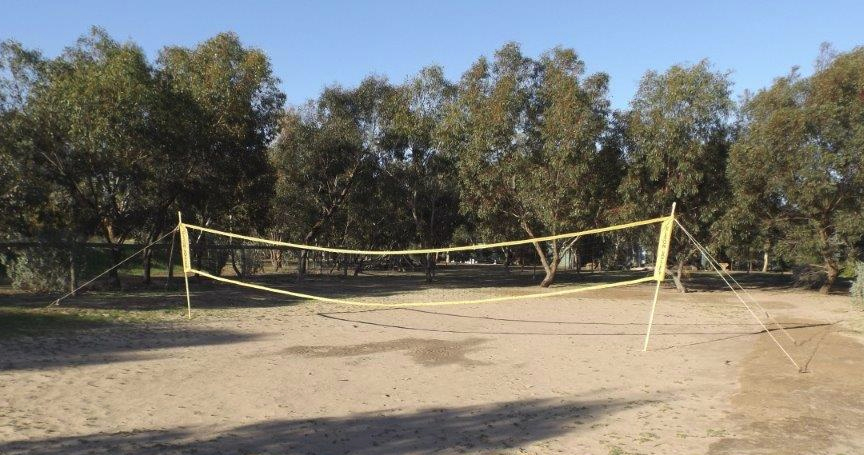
[
  {"x": 209, "y": 294},
  {"x": 377, "y": 284},
  {"x": 710, "y": 281},
  {"x": 105, "y": 342},
  {"x": 468, "y": 429}
]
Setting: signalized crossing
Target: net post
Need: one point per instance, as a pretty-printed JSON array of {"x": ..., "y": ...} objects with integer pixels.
[
  {"x": 660, "y": 268},
  {"x": 184, "y": 254}
]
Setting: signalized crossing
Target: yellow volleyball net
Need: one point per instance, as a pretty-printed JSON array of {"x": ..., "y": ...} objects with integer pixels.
[{"x": 592, "y": 259}]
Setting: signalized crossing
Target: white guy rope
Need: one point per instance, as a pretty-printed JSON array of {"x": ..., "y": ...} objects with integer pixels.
[
  {"x": 57, "y": 302},
  {"x": 710, "y": 258},
  {"x": 774, "y": 339}
]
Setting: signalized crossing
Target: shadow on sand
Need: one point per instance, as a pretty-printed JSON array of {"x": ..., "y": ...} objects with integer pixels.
[
  {"x": 374, "y": 284},
  {"x": 104, "y": 342},
  {"x": 210, "y": 294},
  {"x": 469, "y": 429}
]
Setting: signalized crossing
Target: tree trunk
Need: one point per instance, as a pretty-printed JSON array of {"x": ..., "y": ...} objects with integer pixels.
[
  {"x": 676, "y": 278},
  {"x": 550, "y": 269},
  {"x": 550, "y": 274},
  {"x": 114, "y": 251},
  {"x": 765, "y": 262},
  {"x": 237, "y": 272},
  {"x": 73, "y": 276},
  {"x": 147, "y": 259},
  {"x": 114, "y": 274},
  {"x": 831, "y": 267},
  {"x": 148, "y": 264},
  {"x": 276, "y": 259},
  {"x": 301, "y": 265},
  {"x": 831, "y": 270},
  {"x": 170, "y": 277},
  {"x": 430, "y": 268}
]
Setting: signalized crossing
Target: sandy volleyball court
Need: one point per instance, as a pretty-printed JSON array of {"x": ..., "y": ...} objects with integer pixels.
[{"x": 564, "y": 375}]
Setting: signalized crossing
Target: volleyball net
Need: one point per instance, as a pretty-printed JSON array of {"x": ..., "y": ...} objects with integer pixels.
[{"x": 593, "y": 259}]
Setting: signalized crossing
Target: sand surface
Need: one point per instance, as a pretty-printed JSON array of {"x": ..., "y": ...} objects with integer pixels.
[{"x": 561, "y": 375}]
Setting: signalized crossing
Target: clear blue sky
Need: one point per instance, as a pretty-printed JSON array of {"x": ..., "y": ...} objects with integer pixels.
[{"x": 313, "y": 44}]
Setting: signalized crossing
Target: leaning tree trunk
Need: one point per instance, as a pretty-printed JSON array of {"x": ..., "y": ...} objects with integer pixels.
[
  {"x": 148, "y": 264},
  {"x": 237, "y": 271},
  {"x": 765, "y": 262},
  {"x": 550, "y": 274},
  {"x": 677, "y": 278},
  {"x": 549, "y": 268}
]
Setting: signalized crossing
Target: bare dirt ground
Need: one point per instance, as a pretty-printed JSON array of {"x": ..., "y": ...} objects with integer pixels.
[{"x": 252, "y": 375}]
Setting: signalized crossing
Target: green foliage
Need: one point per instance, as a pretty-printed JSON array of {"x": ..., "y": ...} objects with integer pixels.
[
  {"x": 325, "y": 155},
  {"x": 857, "y": 289},
  {"x": 233, "y": 117},
  {"x": 102, "y": 142},
  {"x": 90, "y": 128},
  {"x": 676, "y": 138},
  {"x": 797, "y": 164},
  {"x": 362, "y": 167},
  {"x": 38, "y": 269},
  {"x": 525, "y": 133},
  {"x": 99, "y": 141},
  {"x": 424, "y": 172}
]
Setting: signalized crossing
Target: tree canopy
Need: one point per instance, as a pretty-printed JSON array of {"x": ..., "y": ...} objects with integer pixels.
[
  {"x": 526, "y": 133},
  {"x": 676, "y": 141},
  {"x": 102, "y": 142},
  {"x": 798, "y": 163}
]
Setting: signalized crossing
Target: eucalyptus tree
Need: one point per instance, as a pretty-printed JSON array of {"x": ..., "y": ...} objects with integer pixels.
[
  {"x": 229, "y": 108},
  {"x": 527, "y": 133},
  {"x": 799, "y": 161},
  {"x": 326, "y": 153},
  {"x": 86, "y": 133},
  {"x": 18, "y": 192},
  {"x": 676, "y": 139},
  {"x": 425, "y": 174}
]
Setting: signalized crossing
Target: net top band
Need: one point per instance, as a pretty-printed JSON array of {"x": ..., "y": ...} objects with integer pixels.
[{"x": 479, "y": 246}]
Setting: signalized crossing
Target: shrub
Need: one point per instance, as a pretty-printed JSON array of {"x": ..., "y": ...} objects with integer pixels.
[
  {"x": 857, "y": 289},
  {"x": 809, "y": 276},
  {"x": 38, "y": 269},
  {"x": 248, "y": 262},
  {"x": 211, "y": 258}
]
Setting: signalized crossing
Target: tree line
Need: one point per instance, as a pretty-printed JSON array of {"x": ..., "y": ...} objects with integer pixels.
[{"x": 102, "y": 142}]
